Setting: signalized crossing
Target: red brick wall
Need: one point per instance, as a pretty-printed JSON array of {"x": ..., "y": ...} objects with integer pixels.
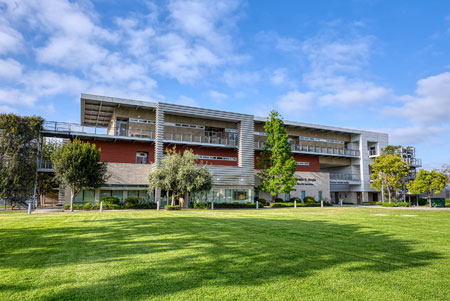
[
  {"x": 313, "y": 162},
  {"x": 210, "y": 151},
  {"x": 124, "y": 151}
]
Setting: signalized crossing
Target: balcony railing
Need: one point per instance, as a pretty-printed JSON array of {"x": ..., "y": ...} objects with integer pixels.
[
  {"x": 345, "y": 177},
  {"x": 414, "y": 162},
  {"x": 199, "y": 139},
  {"x": 72, "y": 128},
  {"x": 45, "y": 165},
  {"x": 318, "y": 149},
  {"x": 140, "y": 133}
]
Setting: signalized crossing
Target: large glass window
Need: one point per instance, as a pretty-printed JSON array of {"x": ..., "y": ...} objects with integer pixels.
[
  {"x": 303, "y": 194},
  {"x": 240, "y": 194},
  {"x": 85, "y": 196},
  {"x": 138, "y": 193},
  {"x": 107, "y": 193},
  {"x": 320, "y": 195}
]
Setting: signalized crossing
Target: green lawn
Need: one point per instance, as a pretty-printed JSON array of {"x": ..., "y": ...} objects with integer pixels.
[{"x": 285, "y": 254}]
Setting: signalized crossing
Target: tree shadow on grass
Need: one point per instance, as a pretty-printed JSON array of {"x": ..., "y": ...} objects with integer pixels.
[{"x": 162, "y": 255}]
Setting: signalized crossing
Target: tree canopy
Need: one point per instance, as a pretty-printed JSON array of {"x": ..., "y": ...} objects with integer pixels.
[
  {"x": 180, "y": 175},
  {"x": 19, "y": 137},
  {"x": 428, "y": 182},
  {"x": 388, "y": 171},
  {"x": 47, "y": 181},
  {"x": 77, "y": 164},
  {"x": 277, "y": 166}
]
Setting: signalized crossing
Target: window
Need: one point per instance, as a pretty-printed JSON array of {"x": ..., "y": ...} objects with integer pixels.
[
  {"x": 287, "y": 196},
  {"x": 216, "y": 158},
  {"x": 240, "y": 194},
  {"x": 303, "y": 194},
  {"x": 138, "y": 193},
  {"x": 107, "y": 193},
  {"x": 320, "y": 195},
  {"x": 85, "y": 196},
  {"x": 141, "y": 157},
  {"x": 302, "y": 163},
  {"x": 233, "y": 137}
]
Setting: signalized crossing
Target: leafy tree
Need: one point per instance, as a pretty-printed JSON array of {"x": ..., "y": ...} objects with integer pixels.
[
  {"x": 445, "y": 169},
  {"x": 276, "y": 161},
  {"x": 428, "y": 182},
  {"x": 391, "y": 149},
  {"x": 180, "y": 175},
  {"x": 388, "y": 171},
  {"x": 19, "y": 138},
  {"x": 77, "y": 164},
  {"x": 47, "y": 181}
]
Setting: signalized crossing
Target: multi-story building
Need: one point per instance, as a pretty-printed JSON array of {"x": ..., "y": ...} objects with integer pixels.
[{"x": 332, "y": 162}]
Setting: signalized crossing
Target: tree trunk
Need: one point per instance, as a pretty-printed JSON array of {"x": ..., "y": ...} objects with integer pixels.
[
  {"x": 429, "y": 200},
  {"x": 273, "y": 198},
  {"x": 72, "y": 196},
  {"x": 389, "y": 194},
  {"x": 173, "y": 199}
]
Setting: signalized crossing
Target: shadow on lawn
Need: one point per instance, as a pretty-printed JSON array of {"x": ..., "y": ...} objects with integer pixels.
[{"x": 175, "y": 253}]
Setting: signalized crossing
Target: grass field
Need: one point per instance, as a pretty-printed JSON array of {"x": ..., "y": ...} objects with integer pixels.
[{"x": 307, "y": 253}]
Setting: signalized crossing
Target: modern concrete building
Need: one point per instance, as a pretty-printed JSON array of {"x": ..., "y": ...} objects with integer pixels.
[{"x": 332, "y": 162}]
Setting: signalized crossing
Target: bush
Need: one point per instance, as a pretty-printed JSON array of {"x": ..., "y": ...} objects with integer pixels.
[
  {"x": 66, "y": 206},
  {"x": 261, "y": 204},
  {"x": 369, "y": 203},
  {"x": 111, "y": 200},
  {"x": 447, "y": 202},
  {"x": 169, "y": 207},
  {"x": 395, "y": 204},
  {"x": 133, "y": 200},
  {"x": 295, "y": 199},
  {"x": 202, "y": 205},
  {"x": 234, "y": 205},
  {"x": 112, "y": 206},
  {"x": 422, "y": 201},
  {"x": 289, "y": 204},
  {"x": 309, "y": 199},
  {"x": 279, "y": 200},
  {"x": 262, "y": 201}
]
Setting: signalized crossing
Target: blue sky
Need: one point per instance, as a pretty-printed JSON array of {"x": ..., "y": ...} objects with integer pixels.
[{"x": 375, "y": 65}]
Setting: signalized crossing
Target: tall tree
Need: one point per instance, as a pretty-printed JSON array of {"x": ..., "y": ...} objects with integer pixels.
[
  {"x": 77, "y": 164},
  {"x": 428, "y": 182},
  {"x": 445, "y": 169},
  {"x": 277, "y": 165},
  {"x": 388, "y": 171},
  {"x": 19, "y": 137},
  {"x": 180, "y": 175}
]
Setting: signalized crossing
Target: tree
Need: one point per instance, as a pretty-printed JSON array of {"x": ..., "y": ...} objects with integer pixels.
[
  {"x": 19, "y": 137},
  {"x": 428, "y": 182},
  {"x": 276, "y": 161},
  {"x": 388, "y": 171},
  {"x": 47, "y": 181},
  {"x": 180, "y": 175},
  {"x": 77, "y": 164},
  {"x": 445, "y": 169}
]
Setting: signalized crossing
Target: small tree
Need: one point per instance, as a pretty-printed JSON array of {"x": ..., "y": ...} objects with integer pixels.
[
  {"x": 77, "y": 164},
  {"x": 428, "y": 182},
  {"x": 388, "y": 171},
  {"x": 276, "y": 161},
  {"x": 19, "y": 138},
  {"x": 47, "y": 181},
  {"x": 180, "y": 175}
]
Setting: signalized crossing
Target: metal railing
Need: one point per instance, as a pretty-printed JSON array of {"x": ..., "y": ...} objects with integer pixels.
[
  {"x": 345, "y": 177},
  {"x": 140, "y": 133},
  {"x": 415, "y": 162},
  {"x": 45, "y": 165},
  {"x": 318, "y": 149},
  {"x": 199, "y": 139},
  {"x": 72, "y": 128}
]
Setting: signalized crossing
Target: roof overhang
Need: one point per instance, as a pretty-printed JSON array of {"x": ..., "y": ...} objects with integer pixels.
[{"x": 98, "y": 110}]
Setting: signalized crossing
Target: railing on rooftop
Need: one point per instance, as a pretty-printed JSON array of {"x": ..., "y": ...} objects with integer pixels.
[
  {"x": 318, "y": 149},
  {"x": 414, "y": 162},
  {"x": 345, "y": 177},
  {"x": 45, "y": 165},
  {"x": 199, "y": 139}
]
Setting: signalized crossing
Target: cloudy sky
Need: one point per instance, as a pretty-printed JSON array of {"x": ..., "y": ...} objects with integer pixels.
[{"x": 375, "y": 65}]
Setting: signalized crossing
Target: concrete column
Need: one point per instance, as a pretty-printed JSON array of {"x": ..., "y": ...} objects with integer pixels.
[{"x": 159, "y": 134}]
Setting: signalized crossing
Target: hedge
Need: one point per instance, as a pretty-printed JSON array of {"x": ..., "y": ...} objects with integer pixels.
[
  {"x": 368, "y": 203},
  {"x": 169, "y": 207},
  {"x": 395, "y": 204},
  {"x": 107, "y": 206},
  {"x": 286, "y": 204},
  {"x": 309, "y": 199},
  {"x": 111, "y": 200},
  {"x": 231, "y": 205},
  {"x": 295, "y": 199},
  {"x": 133, "y": 200}
]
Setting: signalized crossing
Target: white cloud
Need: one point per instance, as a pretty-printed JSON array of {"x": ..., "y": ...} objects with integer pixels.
[
  {"x": 431, "y": 102},
  {"x": 235, "y": 78},
  {"x": 186, "y": 101},
  {"x": 7, "y": 109},
  {"x": 280, "y": 77},
  {"x": 278, "y": 42},
  {"x": 10, "y": 39},
  {"x": 217, "y": 95},
  {"x": 10, "y": 68},
  {"x": 410, "y": 135},
  {"x": 295, "y": 102}
]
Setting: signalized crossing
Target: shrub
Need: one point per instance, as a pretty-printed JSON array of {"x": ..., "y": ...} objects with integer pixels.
[
  {"x": 289, "y": 204},
  {"x": 279, "y": 200},
  {"x": 235, "y": 205},
  {"x": 309, "y": 199},
  {"x": 108, "y": 206},
  {"x": 422, "y": 201},
  {"x": 202, "y": 205},
  {"x": 447, "y": 202},
  {"x": 87, "y": 206},
  {"x": 133, "y": 200},
  {"x": 111, "y": 200},
  {"x": 396, "y": 204},
  {"x": 295, "y": 199},
  {"x": 262, "y": 201},
  {"x": 66, "y": 206},
  {"x": 169, "y": 207},
  {"x": 369, "y": 203},
  {"x": 261, "y": 204}
]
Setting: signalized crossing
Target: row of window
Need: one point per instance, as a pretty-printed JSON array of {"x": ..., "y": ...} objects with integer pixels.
[
  {"x": 302, "y": 163},
  {"x": 88, "y": 196},
  {"x": 216, "y": 158},
  {"x": 321, "y": 140},
  {"x": 224, "y": 195}
]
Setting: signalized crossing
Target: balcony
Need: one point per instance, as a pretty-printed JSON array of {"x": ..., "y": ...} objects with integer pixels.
[
  {"x": 338, "y": 178},
  {"x": 72, "y": 129},
  {"x": 414, "y": 162},
  {"x": 199, "y": 139},
  {"x": 318, "y": 150}
]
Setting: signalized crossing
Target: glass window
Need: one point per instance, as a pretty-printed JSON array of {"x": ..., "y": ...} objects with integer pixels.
[
  {"x": 303, "y": 194},
  {"x": 287, "y": 196},
  {"x": 85, "y": 196},
  {"x": 104, "y": 193},
  {"x": 240, "y": 194},
  {"x": 320, "y": 195},
  {"x": 118, "y": 194},
  {"x": 141, "y": 158},
  {"x": 133, "y": 193}
]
